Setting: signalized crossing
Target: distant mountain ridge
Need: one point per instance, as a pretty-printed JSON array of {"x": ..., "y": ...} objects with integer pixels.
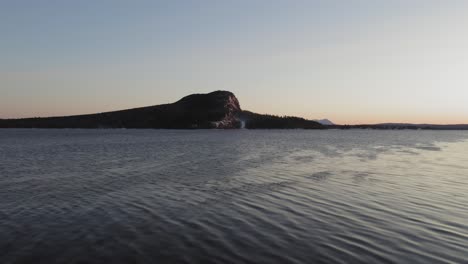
[
  {"x": 325, "y": 122},
  {"x": 400, "y": 126}
]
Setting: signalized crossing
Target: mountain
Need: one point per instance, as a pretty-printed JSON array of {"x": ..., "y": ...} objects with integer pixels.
[
  {"x": 219, "y": 109},
  {"x": 325, "y": 122}
]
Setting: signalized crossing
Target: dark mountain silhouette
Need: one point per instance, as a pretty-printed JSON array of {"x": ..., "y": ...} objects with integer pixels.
[{"x": 218, "y": 109}]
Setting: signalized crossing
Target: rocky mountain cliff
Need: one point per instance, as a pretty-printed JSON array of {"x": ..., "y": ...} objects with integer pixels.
[
  {"x": 218, "y": 109},
  {"x": 213, "y": 110}
]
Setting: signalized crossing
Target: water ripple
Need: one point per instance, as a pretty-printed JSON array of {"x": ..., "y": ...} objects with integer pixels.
[{"x": 145, "y": 196}]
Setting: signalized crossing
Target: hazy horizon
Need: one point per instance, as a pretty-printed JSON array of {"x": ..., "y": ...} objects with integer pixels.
[{"x": 353, "y": 62}]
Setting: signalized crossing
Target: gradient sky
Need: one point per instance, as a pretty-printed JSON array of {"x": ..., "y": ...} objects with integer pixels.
[{"x": 350, "y": 61}]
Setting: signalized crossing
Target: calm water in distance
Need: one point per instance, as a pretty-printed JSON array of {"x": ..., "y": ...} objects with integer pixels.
[{"x": 238, "y": 196}]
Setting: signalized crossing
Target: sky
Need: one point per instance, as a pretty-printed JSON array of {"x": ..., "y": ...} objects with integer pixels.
[{"x": 352, "y": 61}]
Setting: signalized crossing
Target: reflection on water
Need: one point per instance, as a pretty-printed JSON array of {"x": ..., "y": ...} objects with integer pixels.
[{"x": 138, "y": 196}]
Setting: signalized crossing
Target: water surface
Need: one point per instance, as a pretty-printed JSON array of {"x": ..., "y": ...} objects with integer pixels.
[{"x": 239, "y": 196}]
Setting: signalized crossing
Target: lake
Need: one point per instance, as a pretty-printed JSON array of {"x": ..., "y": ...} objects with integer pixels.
[{"x": 233, "y": 196}]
